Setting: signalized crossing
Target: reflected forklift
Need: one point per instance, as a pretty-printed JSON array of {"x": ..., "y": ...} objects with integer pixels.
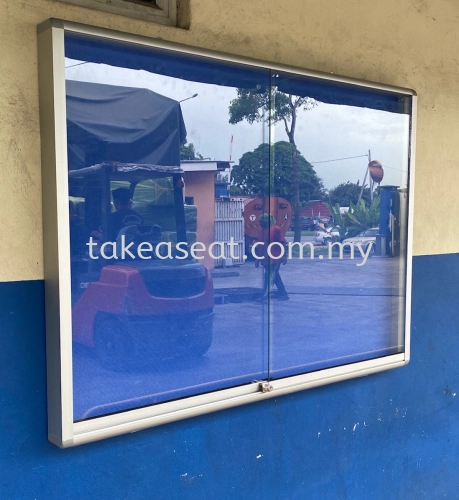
[{"x": 135, "y": 311}]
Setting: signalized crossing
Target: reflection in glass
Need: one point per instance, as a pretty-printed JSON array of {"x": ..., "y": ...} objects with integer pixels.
[
  {"x": 346, "y": 304},
  {"x": 228, "y": 224},
  {"x": 154, "y": 319}
]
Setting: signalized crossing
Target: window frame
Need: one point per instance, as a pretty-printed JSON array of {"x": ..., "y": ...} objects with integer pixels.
[
  {"x": 62, "y": 430},
  {"x": 165, "y": 12}
]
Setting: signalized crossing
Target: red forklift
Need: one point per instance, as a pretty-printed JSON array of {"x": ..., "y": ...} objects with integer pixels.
[{"x": 141, "y": 307}]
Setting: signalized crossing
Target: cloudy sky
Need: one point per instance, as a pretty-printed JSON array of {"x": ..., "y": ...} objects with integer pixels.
[{"x": 327, "y": 132}]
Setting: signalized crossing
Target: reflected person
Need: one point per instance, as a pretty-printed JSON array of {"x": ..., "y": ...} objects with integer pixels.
[
  {"x": 124, "y": 214},
  {"x": 270, "y": 233}
]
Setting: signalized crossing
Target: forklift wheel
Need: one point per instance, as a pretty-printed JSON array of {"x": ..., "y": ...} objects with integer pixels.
[
  {"x": 197, "y": 347},
  {"x": 113, "y": 342},
  {"x": 200, "y": 348}
]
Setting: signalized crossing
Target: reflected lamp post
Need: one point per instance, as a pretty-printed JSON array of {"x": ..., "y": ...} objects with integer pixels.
[{"x": 191, "y": 97}]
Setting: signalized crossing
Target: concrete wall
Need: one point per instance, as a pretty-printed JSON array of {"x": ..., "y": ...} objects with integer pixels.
[
  {"x": 399, "y": 42},
  {"x": 392, "y": 435}
]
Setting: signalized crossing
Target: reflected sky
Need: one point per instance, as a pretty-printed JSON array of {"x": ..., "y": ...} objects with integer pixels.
[{"x": 327, "y": 132}]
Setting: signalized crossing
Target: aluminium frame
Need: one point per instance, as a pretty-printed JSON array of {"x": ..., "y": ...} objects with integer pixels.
[{"x": 62, "y": 430}]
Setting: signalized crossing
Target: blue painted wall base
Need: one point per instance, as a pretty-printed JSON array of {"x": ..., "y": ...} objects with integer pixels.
[{"x": 390, "y": 435}]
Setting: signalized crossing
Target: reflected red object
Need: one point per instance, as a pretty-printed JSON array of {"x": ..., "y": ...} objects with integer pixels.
[
  {"x": 376, "y": 171},
  {"x": 278, "y": 207},
  {"x": 121, "y": 290}
]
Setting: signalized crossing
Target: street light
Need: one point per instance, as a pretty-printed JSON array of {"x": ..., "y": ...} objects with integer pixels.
[{"x": 191, "y": 97}]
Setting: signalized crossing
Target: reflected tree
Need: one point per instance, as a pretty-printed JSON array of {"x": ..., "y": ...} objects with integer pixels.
[
  {"x": 187, "y": 152},
  {"x": 254, "y": 177},
  {"x": 348, "y": 192},
  {"x": 274, "y": 106}
]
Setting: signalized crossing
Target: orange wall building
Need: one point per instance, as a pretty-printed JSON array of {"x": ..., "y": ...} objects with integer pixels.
[{"x": 199, "y": 185}]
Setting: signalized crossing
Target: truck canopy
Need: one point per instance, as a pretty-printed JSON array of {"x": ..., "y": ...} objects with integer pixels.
[{"x": 122, "y": 124}]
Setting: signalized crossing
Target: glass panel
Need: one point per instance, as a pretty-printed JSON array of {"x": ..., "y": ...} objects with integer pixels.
[
  {"x": 340, "y": 162},
  {"x": 164, "y": 305},
  {"x": 228, "y": 224}
]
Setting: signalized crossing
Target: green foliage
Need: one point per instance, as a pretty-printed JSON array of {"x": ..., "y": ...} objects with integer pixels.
[
  {"x": 254, "y": 177},
  {"x": 272, "y": 106},
  {"x": 257, "y": 104},
  {"x": 358, "y": 218},
  {"x": 187, "y": 152},
  {"x": 236, "y": 190},
  {"x": 363, "y": 217},
  {"x": 348, "y": 192},
  {"x": 340, "y": 221},
  {"x": 249, "y": 105}
]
